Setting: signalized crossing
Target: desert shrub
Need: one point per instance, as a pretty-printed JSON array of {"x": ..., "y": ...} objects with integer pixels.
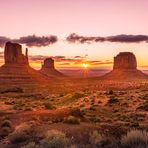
[
  {"x": 6, "y": 123},
  {"x": 112, "y": 100},
  {"x": 54, "y": 139},
  {"x": 5, "y": 128},
  {"x": 78, "y": 95},
  {"x": 31, "y": 145},
  {"x": 110, "y": 92},
  {"x": 134, "y": 124},
  {"x": 4, "y": 131},
  {"x": 135, "y": 139},
  {"x": 72, "y": 120},
  {"x": 99, "y": 141},
  {"x": 95, "y": 137},
  {"x": 144, "y": 106},
  {"x": 76, "y": 112},
  {"x": 49, "y": 106},
  {"x": 92, "y": 107},
  {"x": 19, "y": 137},
  {"x": 22, "y": 133}
]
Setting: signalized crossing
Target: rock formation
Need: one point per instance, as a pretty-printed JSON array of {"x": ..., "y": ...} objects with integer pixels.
[
  {"x": 16, "y": 69},
  {"x": 48, "y": 68},
  {"x": 48, "y": 63},
  {"x": 125, "y": 67},
  {"x": 125, "y": 60},
  {"x": 13, "y": 54}
]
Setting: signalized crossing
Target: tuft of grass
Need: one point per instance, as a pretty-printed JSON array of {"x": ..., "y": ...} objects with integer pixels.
[
  {"x": 72, "y": 120},
  {"x": 135, "y": 139},
  {"x": 54, "y": 139},
  {"x": 95, "y": 137}
]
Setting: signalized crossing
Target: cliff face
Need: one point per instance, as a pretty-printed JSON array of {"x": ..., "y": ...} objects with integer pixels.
[
  {"x": 125, "y": 67},
  {"x": 48, "y": 68},
  {"x": 125, "y": 60},
  {"x": 13, "y": 54}
]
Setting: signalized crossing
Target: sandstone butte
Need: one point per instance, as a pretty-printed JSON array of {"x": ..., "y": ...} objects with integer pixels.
[
  {"x": 125, "y": 67},
  {"x": 48, "y": 68}
]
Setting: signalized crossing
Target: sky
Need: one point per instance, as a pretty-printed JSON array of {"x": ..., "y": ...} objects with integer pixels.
[{"x": 88, "y": 18}]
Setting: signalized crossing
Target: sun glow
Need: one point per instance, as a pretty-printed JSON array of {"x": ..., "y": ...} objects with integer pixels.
[{"x": 85, "y": 65}]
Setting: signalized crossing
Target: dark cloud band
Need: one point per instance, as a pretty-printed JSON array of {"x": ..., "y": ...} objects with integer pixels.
[
  {"x": 31, "y": 40},
  {"x": 123, "y": 38}
]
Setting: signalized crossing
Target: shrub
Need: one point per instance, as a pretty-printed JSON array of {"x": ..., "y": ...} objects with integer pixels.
[
  {"x": 49, "y": 106},
  {"x": 6, "y": 123},
  {"x": 112, "y": 100},
  {"x": 31, "y": 145},
  {"x": 78, "y": 95},
  {"x": 111, "y": 92},
  {"x": 4, "y": 131},
  {"x": 144, "y": 106},
  {"x": 54, "y": 139},
  {"x": 95, "y": 137},
  {"x": 72, "y": 120},
  {"x": 22, "y": 133},
  {"x": 92, "y": 107},
  {"x": 135, "y": 139},
  {"x": 76, "y": 112},
  {"x": 19, "y": 137}
]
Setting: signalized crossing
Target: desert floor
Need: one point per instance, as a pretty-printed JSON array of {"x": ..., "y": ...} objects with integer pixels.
[{"x": 110, "y": 107}]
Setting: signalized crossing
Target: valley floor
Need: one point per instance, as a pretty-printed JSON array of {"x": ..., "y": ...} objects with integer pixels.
[{"x": 76, "y": 107}]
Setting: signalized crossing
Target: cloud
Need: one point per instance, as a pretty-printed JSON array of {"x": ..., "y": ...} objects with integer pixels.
[
  {"x": 31, "y": 40},
  {"x": 3, "y": 40},
  {"x": 123, "y": 38},
  {"x": 74, "y": 38},
  {"x": 37, "y": 41}
]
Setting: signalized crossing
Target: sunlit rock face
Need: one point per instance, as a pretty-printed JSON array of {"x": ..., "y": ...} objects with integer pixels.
[
  {"x": 48, "y": 68},
  {"x": 125, "y": 68},
  {"x": 13, "y": 54},
  {"x": 125, "y": 60}
]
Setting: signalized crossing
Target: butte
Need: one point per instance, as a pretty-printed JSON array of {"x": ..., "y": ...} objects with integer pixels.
[
  {"x": 49, "y": 70},
  {"x": 16, "y": 70},
  {"x": 125, "y": 68}
]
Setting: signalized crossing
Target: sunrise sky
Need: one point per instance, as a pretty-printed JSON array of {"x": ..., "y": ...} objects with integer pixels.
[{"x": 88, "y": 18}]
